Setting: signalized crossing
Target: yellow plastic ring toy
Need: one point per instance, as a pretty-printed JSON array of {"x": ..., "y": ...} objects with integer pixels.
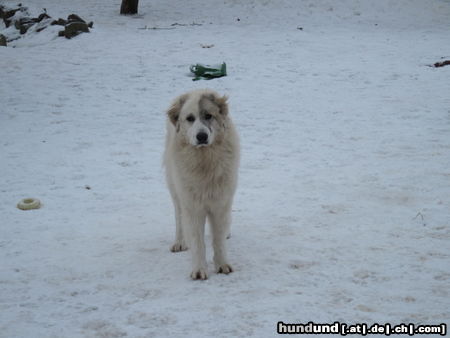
[{"x": 29, "y": 203}]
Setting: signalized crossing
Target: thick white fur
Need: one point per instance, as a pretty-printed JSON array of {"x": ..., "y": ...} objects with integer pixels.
[{"x": 202, "y": 178}]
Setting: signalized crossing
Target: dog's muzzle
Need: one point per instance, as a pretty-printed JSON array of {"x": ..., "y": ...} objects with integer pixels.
[{"x": 202, "y": 138}]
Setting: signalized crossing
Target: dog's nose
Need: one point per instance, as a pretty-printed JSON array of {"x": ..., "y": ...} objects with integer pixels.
[{"x": 202, "y": 137}]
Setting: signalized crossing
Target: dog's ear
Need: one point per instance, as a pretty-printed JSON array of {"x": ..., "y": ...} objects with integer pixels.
[
  {"x": 221, "y": 102},
  {"x": 174, "y": 111}
]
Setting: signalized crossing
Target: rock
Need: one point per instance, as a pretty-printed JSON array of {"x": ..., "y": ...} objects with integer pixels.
[
  {"x": 60, "y": 22},
  {"x": 22, "y": 21},
  {"x": 7, "y": 13},
  {"x": 40, "y": 26},
  {"x": 2, "y": 40},
  {"x": 42, "y": 17},
  {"x": 76, "y": 25},
  {"x": 23, "y": 24},
  {"x": 74, "y": 28},
  {"x": 74, "y": 18}
]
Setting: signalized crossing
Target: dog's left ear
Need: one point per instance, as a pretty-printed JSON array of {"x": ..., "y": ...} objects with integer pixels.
[{"x": 221, "y": 103}]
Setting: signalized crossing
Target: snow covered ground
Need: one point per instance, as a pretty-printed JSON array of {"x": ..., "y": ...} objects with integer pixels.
[{"x": 343, "y": 206}]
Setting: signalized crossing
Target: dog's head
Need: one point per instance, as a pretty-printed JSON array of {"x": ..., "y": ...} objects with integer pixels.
[{"x": 199, "y": 117}]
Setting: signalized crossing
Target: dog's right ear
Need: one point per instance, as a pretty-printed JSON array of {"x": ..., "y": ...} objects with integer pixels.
[{"x": 174, "y": 111}]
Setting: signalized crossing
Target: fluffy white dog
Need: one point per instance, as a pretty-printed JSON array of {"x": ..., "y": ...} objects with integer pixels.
[{"x": 201, "y": 160}]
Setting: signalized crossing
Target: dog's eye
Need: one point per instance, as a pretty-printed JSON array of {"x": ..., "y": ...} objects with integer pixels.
[
  {"x": 208, "y": 116},
  {"x": 190, "y": 118}
]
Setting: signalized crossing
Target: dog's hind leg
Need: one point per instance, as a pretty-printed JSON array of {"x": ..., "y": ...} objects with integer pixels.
[{"x": 220, "y": 221}]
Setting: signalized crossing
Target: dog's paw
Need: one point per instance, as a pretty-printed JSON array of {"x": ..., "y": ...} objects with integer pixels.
[
  {"x": 199, "y": 274},
  {"x": 178, "y": 246},
  {"x": 225, "y": 268}
]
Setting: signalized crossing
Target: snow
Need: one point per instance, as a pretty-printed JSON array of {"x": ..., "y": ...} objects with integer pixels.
[{"x": 342, "y": 211}]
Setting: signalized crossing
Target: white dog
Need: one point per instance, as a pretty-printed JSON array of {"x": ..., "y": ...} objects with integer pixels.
[{"x": 201, "y": 160}]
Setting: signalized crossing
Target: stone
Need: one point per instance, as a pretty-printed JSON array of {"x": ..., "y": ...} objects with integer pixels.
[
  {"x": 42, "y": 17},
  {"x": 74, "y": 18},
  {"x": 23, "y": 24},
  {"x": 2, "y": 40},
  {"x": 74, "y": 28},
  {"x": 7, "y": 13},
  {"x": 40, "y": 26},
  {"x": 60, "y": 22}
]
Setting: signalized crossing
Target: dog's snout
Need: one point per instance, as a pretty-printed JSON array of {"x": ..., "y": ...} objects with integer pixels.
[{"x": 202, "y": 137}]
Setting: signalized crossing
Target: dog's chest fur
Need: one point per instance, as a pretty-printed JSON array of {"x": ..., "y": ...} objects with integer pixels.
[{"x": 205, "y": 174}]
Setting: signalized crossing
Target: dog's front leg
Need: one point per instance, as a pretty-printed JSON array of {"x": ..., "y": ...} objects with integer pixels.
[
  {"x": 195, "y": 224},
  {"x": 179, "y": 244},
  {"x": 220, "y": 228}
]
